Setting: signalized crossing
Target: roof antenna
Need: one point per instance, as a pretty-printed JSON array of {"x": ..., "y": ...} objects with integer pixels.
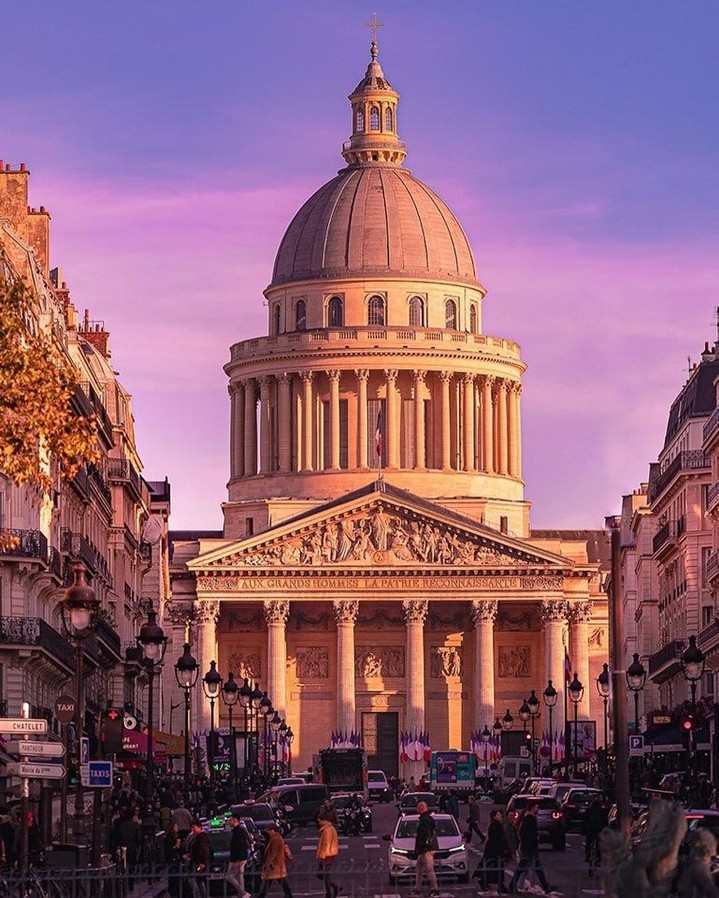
[
  {"x": 689, "y": 364},
  {"x": 717, "y": 320}
]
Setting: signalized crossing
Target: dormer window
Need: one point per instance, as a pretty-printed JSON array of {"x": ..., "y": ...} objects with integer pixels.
[
  {"x": 374, "y": 118},
  {"x": 335, "y": 312},
  {"x": 359, "y": 121},
  {"x": 301, "y": 315},
  {"x": 450, "y": 315},
  {"x": 388, "y": 120},
  {"x": 375, "y": 311}
]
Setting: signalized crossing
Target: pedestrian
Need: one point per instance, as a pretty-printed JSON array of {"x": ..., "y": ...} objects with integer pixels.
[
  {"x": 183, "y": 818},
  {"x": 529, "y": 851},
  {"x": 473, "y": 819},
  {"x": 496, "y": 852},
  {"x": 129, "y": 840},
  {"x": 172, "y": 844},
  {"x": 239, "y": 854},
  {"x": 425, "y": 845},
  {"x": 274, "y": 863},
  {"x": 326, "y": 811},
  {"x": 199, "y": 856},
  {"x": 453, "y": 804},
  {"x": 327, "y": 850},
  {"x": 695, "y": 879}
]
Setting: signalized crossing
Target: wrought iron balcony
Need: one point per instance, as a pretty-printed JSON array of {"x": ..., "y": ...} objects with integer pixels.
[
  {"x": 713, "y": 566},
  {"x": 711, "y": 426},
  {"x": 712, "y": 495},
  {"x": 98, "y": 478},
  {"x": 707, "y": 637},
  {"x": 54, "y": 562},
  {"x": 79, "y": 547},
  {"x": 668, "y": 653},
  {"x": 689, "y": 460},
  {"x": 669, "y": 531},
  {"x": 107, "y": 637},
  {"x": 23, "y": 544},
  {"x": 34, "y": 631},
  {"x": 122, "y": 470}
]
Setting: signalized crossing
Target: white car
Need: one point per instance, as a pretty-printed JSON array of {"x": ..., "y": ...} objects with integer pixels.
[{"x": 449, "y": 860}]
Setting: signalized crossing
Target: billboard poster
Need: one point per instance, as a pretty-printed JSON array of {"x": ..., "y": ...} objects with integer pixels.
[
  {"x": 586, "y": 739},
  {"x": 446, "y": 767}
]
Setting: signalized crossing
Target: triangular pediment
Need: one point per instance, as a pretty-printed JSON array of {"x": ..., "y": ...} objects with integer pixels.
[{"x": 380, "y": 528}]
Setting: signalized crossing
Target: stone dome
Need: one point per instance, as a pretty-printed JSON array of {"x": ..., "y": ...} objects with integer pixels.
[{"x": 374, "y": 220}]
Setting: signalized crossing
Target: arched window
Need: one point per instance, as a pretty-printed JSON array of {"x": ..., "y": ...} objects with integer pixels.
[
  {"x": 335, "y": 312},
  {"x": 360, "y": 121},
  {"x": 375, "y": 311},
  {"x": 450, "y": 315},
  {"x": 416, "y": 312},
  {"x": 374, "y": 118},
  {"x": 301, "y": 315},
  {"x": 388, "y": 120},
  {"x": 276, "y": 318},
  {"x": 473, "y": 319}
]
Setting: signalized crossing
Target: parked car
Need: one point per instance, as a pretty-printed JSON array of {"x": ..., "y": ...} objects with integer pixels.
[
  {"x": 559, "y": 790},
  {"x": 551, "y": 825},
  {"x": 290, "y": 781},
  {"x": 408, "y": 801},
  {"x": 378, "y": 786},
  {"x": 575, "y": 804},
  {"x": 449, "y": 860},
  {"x": 345, "y": 824},
  {"x": 636, "y": 809}
]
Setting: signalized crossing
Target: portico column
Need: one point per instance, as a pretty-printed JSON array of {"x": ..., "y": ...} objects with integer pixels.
[
  {"x": 276, "y": 613},
  {"x": 445, "y": 377},
  {"x": 237, "y": 425},
  {"x": 206, "y": 615},
  {"x": 420, "y": 459},
  {"x": 484, "y": 613},
  {"x": 307, "y": 420},
  {"x": 250, "y": 429},
  {"x": 580, "y": 614},
  {"x": 346, "y": 615},
  {"x": 487, "y": 426},
  {"x": 468, "y": 415},
  {"x": 265, "y": 434},
  {"x": 362, "y": 436},
  {"x": 415, "y": 614},
  {"x": 284, "y": 423},
  {"x": 501, "y": 425},
  {"x": 392, "y": 434},
  {"x": 554, "y": 618},
  {"x": 513, "y": 424},
  {"x": 334, "y": 377}
]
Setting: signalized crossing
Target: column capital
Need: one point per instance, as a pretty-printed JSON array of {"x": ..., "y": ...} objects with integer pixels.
[
  {"x": 415, "y": 610},
  {"x": 514, "y": 386},
  {"x": 419, "y": 376},
  {"x": 468, "y": 378},
  {"x": 276, "y": 611},
  {"x": 307, "y": 376},
  {"x": 265, "y": 382},
  {"x": 488, "y": 381},
  {"x": 207, "y": 612},
  {"x": 554, "y": 611},
  {"x": 233, "y": 388},
  {"x": 484, "y": 610},
  {"x": 391, "y": 374},
  {"x": 580, "y": 612},
  {"x": 178, "y": 614},
  {"x": 346, "y": 611},
  {"x": 362, "y": 374},
  {"x": 284, "y": 378},
  {"x": 334, "y": 376},
  {"x": 445, "y": 376},
  {"x": 249, "y": 383}
]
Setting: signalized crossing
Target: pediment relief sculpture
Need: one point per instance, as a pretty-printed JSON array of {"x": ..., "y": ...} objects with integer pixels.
[
  {"x": 445, "y": 661},
  {"x": 379, "y": 661}
]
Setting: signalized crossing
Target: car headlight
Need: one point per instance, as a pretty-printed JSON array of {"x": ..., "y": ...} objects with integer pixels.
[
  {"x": 402, "y": 851},
  {"x": 456, "y": 849}
]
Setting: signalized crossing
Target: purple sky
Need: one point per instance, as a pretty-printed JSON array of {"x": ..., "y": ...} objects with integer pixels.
[{"x": 576, "y": 142}]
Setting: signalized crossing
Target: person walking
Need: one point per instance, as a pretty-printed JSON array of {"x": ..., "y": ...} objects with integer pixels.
[
  {"x": 473, "y": 819},
  {"x": 425, "y": 845},
  {"x": 327, "y": 850},
  {"x": 274, "y": 863},
  {"x": 529, "y": 851},
  {"x": 183, "y": 818},
  {"x": 199, "y": 857},
  {"x": 496, "y": 852},
  {"x": 239, "y": 853}
]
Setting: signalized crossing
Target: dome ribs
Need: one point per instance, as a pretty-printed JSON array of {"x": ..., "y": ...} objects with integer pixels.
[
  {"x": 286, "y": 262},
  {"x": 442, "y": 245},
  {"x": 415, "y": 241},
  {"x": 329, "y": 247},
  {"x": 374, "y": 241}
]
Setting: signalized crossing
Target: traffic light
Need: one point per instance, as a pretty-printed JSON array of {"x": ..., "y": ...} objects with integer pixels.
[
  {"x": 112, "y": 730},
  {"x": 687, "y": 728}
]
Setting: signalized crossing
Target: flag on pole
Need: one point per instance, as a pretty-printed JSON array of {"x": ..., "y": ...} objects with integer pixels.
[
  {"x": 567, "y": 666},
  {"x": 378, "y": 434}
]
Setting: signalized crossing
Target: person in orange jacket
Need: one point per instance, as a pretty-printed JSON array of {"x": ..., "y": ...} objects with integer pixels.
[{"x": 327, "y": 850}]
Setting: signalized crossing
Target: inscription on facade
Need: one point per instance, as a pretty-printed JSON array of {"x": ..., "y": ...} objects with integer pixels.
[
  {"x": 513, "y": 661},
  {"x": 372, "y": 583},
  {"x": 379, "y": 661}
]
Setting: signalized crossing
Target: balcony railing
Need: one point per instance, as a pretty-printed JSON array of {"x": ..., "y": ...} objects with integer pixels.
[
  {"x": 123, "y": 470},
  {"x": 711, "y": 426},
  {"x": 98, "y": 478},
  {"x": 78, "y": 546},
  {"x": 708, "y": 635},
  {"x": 109, "y": 638},
  {"x": 669, "y": 531},
  {"x": 34, "y": 631},
  {"x": 671, "y": 651},
  {"x": 713, "y": 565},
  {"x": 712, "y": 495},
  {"x": 23, "y": 544},
  {"x": 689, "y": 460}
]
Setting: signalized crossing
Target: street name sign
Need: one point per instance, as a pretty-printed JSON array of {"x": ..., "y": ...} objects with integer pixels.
[
  {"x": 36, "y": 749},
  {"x": 636, "y": 745},
  {"x": 99, "y": 775},
  {"x": 17, "y": 726},
  {"x": 37, "y": 771}
]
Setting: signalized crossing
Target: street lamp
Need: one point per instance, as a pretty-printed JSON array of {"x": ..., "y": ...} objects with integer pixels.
[
  {"x": 290, "y": 737},
  {"x": 245, "y": 702},
  {"x": 636, "y": 678},
  {"x": 692, "y": 661},
  {"x": 211, "y": 683},
  {"x": 186, "y": 671},
  {"x": 268, "y": 712},
  {"x": 507, "y": 721},
  {"x": 533, "y": 705},
  {"x": 603, "y": 690},
  {"x": 576, "y": 691},
  {"x": 230, "y": 695},
  {"x": 78, "y": 611},
  {"x": 486, "y": 736},
  {"x": 153, "y": 643},
  {"x": 550, "y": 700},
  {"x": 274, "y": 723},
  {"x": 282, "y": 741}
]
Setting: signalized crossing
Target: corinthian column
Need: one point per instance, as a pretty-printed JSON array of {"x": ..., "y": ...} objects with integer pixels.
[
  {"x": 392, "y": 420},
  {"x": 484, "y": 613},
  {"x": 265, "y": 429},
  {"x": 515, "y": 468},
  {"x": 580, "y": 614},
  {"x": 362, "y": 435},
  {"x": 487, "y": 426},
  {"x": 468, "y": 429},
  {"x": 276, "y": 613},
  {"x": 445, "y": 377},
  {"x": 206, "y": 615},
  {"x": 501, "y": 426},
  {"x": 346, "y": 615},
  {"x": 284, "y": 390},
  {"x": 250, "y": 428},
  {"x": 554, "y": 618},
  {"x": 306, "y": 420},
  {"x": 334, "y": 377},
  {"x": 420, "y": 460},
  {"x": 415, "y": 614}
]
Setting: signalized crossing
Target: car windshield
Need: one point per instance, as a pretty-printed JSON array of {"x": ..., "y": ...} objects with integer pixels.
[
  {"x": 583, "y": 795},
  {"x": 256, "y": 811},
  {"x": 376, "y": 777},
  {"x": 414, "y": 798},
  {"x": 445, "y": 826},
  {"x": 344, "y": 801}
]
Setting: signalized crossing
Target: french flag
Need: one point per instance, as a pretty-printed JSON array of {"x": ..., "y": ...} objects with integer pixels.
[{"x": 378, "y": 434}]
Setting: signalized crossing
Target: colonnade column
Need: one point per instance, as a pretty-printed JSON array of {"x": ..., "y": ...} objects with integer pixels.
[
  {"x": 284, "y": 414},
  {"x": 276, "y": 613},
  {"x": 307, "y": 419},
  {"x": 206, "y": 615},
  {"x": 415, "y": 614},
  {"x": 362, "y": 437},
  {"x": 265, "y": 428},
  {"x": 445, "y": 377},
  {"x": 237, "y": 437},
  {"x": 580, "y": 613},
  {"x": 420, "y": 457},
  {"x": 487, "y": 426},
  {"x": 554, "y": 619},
  {"x": 346, "y": 615},
  {"x": 468, "y": 415},
  {"x": 515, "y": 468},
  {"x": 502, "y": 448},
  {"x": 250, "y": 466},
  {"x": 334, "y": 378},
  {"x": 392, "y": 430},
  {"x": 484, "y": 612}
]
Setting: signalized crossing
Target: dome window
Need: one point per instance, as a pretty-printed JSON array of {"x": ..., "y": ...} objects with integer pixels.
[
  {"x": 276, "y": 318},
  {"x": 473, "y": 319},
  {"x": 416, "y": 312},
  {"x": 374, "y": 118},
  {"x": 388, "y": 120},
  {"x": 375, "y": 311},
  {"x": 359, "y": 121},
  {"x": 450, "y": 315},
  {"x": 301, "y": 315},
  {"x": 335, "y": 312}
]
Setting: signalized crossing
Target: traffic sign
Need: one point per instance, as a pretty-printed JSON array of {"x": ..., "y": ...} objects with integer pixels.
[
  {"x": 65, "y": 707},
  {"x": 84, "y": 749},
  {"x": 36, "y": 749},
  {"x": 636, "y": 745},
  {"x": 99, "y": 775},
  {"x": 17, "y": 726},
  {"x": 37, "y": 771}
]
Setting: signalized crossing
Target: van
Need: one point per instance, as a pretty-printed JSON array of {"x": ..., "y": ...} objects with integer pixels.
[
  {"x": 299, "y": 804},
  {"x": 514, "y": 768}
]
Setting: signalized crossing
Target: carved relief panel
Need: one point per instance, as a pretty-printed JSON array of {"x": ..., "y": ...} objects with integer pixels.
[
  {"x": 312, "y": 663},
  {"x": 514, "y": 662},
  {"x": 245, "y": 663},
  {"x": 445, "y": 661},
  {"x": 379, "y": 661}
]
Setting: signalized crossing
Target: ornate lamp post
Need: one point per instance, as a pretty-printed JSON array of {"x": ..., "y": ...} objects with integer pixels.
[
  {"x": 603, "y": 690},
  {"x": 267, "y": 712},
  {"x": 533, "y": 705},
  {"x": 282, "y": 741},
  {"x": 258, "y": 696},
  {"x": 274, "y": 723},
  {"x": 78, "y": 611},
  {"x": 576, "y": 691},
  {"x": 507, "y": 722},
  {"x": 153, "y": 643},
  {"x": 290, "y": 737},
  {"x": 245, "y": 703},
  {"x": 211, "y": 683},
  {"x": 230, "y": 695},
  {"x": 550, "y": 700},
  {"x": 636, "y": 678},
  {"x": 186, "y": 671},
  {"x": 486, "y": 736},
  {"x": 692, "y": 662}
]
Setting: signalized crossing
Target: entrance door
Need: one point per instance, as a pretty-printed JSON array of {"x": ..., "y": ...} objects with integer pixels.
[{"x": 380, "y": 737}]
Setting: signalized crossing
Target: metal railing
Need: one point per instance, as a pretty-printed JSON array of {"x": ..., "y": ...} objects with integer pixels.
[
  {"x": 712, "y": 495},
  {"x": 669, "y": 531},
  {"x": 98, "y": 478},
  {"x": 80, "y": 547},
  {"x": 711, "y": 425},
  {"x": 108, "y": 637},
  {"x": 689, "y": 460},
  {"x": 123, "y": 470},
  {"x": 34, "y": 631},
  {"x": 24, "y": 544},
  {"x": 671, "y": 651},
  {"x": 712, "y": 565},
  {"x": 708, "y": 634}
]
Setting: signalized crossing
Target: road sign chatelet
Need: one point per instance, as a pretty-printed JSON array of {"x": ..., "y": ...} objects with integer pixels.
[{"x": 22, "y": 725}]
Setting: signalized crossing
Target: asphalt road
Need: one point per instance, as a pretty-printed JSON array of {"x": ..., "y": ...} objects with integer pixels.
[{"x": 362, "y": 865}]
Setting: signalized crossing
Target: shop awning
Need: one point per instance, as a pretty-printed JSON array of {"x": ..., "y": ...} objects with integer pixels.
[{"x": 670, "y": 739}]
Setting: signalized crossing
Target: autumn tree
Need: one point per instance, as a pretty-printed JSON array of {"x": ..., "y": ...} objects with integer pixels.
[{"x": 36, "y": 382}]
